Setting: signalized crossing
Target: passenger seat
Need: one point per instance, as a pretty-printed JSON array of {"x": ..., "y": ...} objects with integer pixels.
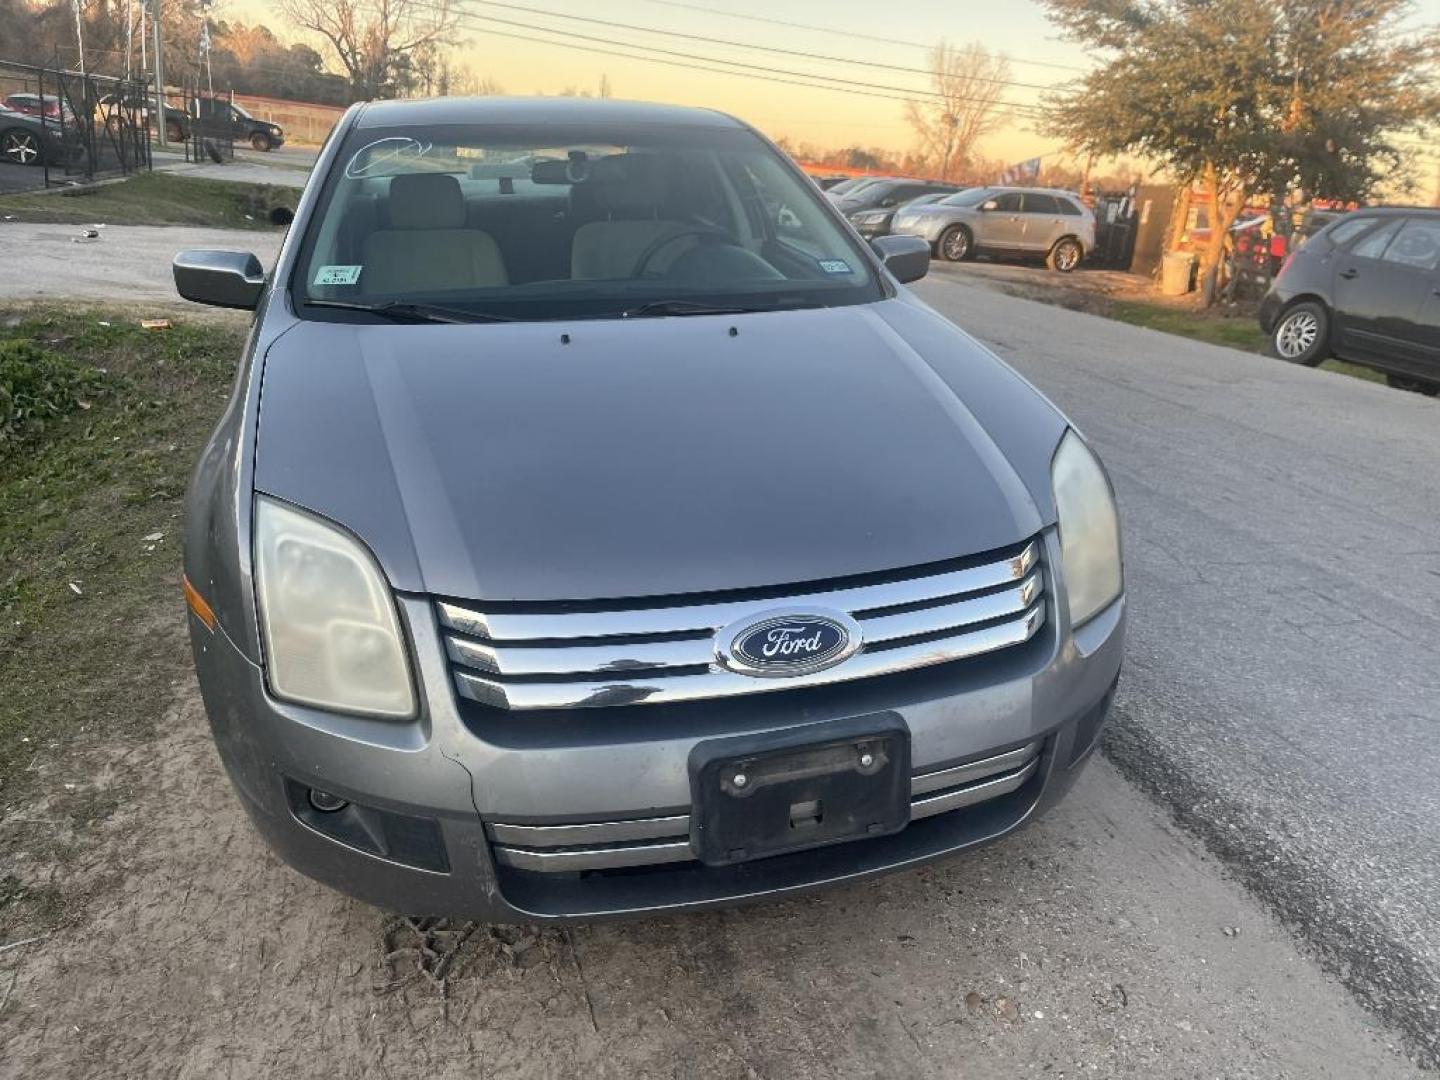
[{"x": 428, "y": 247}]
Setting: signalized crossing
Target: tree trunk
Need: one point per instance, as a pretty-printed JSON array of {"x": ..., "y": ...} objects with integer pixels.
[{"x": 1225, "y": 207}]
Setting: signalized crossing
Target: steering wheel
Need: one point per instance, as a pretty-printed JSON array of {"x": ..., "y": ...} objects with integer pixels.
[{"x": 706, "y": 234}]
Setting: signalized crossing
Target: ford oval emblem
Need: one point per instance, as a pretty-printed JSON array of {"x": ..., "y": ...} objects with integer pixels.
[{"x": 788, "y": 643}]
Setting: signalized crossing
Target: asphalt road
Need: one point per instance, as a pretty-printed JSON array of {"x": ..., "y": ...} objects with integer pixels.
[{"x": 1282, "y": 683}]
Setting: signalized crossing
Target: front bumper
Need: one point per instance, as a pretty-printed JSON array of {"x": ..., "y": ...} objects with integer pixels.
[{"x": 423, "y": 793}]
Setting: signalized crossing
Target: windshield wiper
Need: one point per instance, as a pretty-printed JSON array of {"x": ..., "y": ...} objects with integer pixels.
[
  {"x": 683, "y": 307},
  {"x": 403, "y": 312}
]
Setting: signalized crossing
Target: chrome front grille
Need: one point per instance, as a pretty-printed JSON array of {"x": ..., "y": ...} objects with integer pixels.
[
  {"x": 613, "y": 845},
  {"x": 511, "y": 658}
]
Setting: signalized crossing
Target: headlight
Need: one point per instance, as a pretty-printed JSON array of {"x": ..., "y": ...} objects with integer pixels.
[
  {"x": 331, "y": 635},
  {"x": 1089, "y": 529}
]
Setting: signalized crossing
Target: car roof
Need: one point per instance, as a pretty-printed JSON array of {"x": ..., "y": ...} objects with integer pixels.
[
  {"x": 1391, "y": 211},
  {"x": 1032, "y": 190},
  {"x": 536, "y": 110}
]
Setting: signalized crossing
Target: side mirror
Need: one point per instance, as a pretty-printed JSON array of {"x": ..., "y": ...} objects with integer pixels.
[
  {"x": 282, "y": 216},
  {"x": 906, "y": 257},
  {"x": 990, "y": 204},
  {"x": 230, "y": 279}
]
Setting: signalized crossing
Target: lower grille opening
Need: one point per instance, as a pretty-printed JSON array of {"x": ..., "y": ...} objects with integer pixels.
[{"x": 648, "y": 842}]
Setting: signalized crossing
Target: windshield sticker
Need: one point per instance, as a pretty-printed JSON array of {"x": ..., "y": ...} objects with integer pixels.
[
  {"x": 338, "y": 275},
  {"x": 835, "y": 266},
  {"x": 371, "y": 159}
]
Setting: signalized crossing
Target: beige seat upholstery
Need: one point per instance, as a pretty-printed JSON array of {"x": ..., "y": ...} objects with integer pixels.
[
  {"x": 630, "y": 190},
  {"x": 427, "y": 246}
]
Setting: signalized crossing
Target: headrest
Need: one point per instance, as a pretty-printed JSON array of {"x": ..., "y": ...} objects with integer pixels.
[
  {"x": 426, "y": 201},
  {"x": 630, "y": 183}
]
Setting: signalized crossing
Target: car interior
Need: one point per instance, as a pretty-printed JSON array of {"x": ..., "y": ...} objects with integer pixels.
[{"x": 617, "y": 217}]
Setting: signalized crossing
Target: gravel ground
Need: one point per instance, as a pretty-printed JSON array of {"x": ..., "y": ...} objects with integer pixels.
[{"x": 127, "y": 262}]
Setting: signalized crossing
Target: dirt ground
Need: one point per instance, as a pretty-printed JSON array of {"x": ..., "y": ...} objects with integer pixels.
[{"x": 1059, "y": 952}]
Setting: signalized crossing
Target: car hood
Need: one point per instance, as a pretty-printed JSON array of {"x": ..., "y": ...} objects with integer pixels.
[{"x": 608, "y": 458}]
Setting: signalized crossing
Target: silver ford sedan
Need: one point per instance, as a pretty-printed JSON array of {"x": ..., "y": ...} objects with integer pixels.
[{"x": 599, "y": 526}]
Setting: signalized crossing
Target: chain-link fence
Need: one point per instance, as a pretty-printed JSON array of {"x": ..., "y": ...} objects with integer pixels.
[{"x": 63, "y": 127}]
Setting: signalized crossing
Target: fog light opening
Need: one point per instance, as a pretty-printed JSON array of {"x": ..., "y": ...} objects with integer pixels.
[{"x": 325, "y": 802}]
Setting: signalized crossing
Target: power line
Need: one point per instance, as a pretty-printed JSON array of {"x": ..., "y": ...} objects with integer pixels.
[
  {"x": 690, "y": 66},
  {"x": 927, "y": 72},
  {"x": 760, "y": 72},
  {"x": 851, "y": 34}
]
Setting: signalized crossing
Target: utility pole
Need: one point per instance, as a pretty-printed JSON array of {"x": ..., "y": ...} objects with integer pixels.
[
  {"x": 159, "y": 76},
  {"x": 79, "y": 37}
]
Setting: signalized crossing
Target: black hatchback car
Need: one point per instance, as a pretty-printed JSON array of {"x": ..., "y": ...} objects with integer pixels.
[{"x": 1366, "y": 289}]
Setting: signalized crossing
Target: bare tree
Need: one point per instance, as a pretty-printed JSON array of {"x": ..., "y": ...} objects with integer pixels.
[
  {"x": 374, "y": 39},
  {"x": 967, "y": 104}
]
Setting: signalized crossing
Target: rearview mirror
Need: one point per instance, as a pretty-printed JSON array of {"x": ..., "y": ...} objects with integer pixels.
[
  {"x": 906, "y": 257},
  {"x": 230, "y": 279}
]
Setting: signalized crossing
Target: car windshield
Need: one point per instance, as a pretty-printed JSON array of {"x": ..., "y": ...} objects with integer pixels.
[
  {"x": 575, "y": 222},
  {"x": 970, "y": 197},
  {"x": 240, "y": 112}
]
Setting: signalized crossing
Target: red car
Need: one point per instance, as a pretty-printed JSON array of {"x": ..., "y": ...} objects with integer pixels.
[{"x": 47, "y": 105}]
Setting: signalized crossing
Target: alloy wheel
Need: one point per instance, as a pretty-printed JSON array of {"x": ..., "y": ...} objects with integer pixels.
[
  {"x": 21, "y": 147},
  {"x": 1296, "y": 335},
  {"x": 957, "y": 245},
  {"x": 1067, "y": 256}
]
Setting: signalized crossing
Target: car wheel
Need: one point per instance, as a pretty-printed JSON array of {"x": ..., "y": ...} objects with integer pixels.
[
  {"x": 260, "y": 141},
  {"x": 954, "y": 244},
  {"x": 1065, "y": 256},
  {"x": 1302, "y": 336},
  {"x": 20, "y": 147},
  {"x": 1418, "y": 386}
]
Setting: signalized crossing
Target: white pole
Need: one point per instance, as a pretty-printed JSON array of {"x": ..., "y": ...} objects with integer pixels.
[
  {"x": 79, "y": 38},
  {"x": 129, "y": 34}
]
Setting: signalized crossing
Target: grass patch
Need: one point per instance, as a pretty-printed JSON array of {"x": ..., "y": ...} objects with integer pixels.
[
  {"x": 156, "y": 198},
  {"x": 1237, "y": 331},
  {"x": 92, "y": 631}
]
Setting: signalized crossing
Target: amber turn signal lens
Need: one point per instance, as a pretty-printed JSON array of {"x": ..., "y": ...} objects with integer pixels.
[{"x": 197, "y": 604}]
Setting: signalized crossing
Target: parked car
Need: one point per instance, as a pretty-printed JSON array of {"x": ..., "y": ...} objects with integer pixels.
[
  {"x": 1005, "y": 222},
  {"x": 873, "y": 223},
  {"x": 888, "y": 194},
  {"x": 27, "y": 139},
  {"x": 47, "y": 105},
  {"x": 216, "y": 118},
  {"x": 837, "y": 191},
  {"x": 825, "y": 183},
  {"x": 1366, "y": 288},
  {"x": 112, "y": 108},
  {"x": 605, "y": 549}
]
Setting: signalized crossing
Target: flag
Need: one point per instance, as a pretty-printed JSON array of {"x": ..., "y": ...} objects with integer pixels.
[{"x": 1021, "y": 172}]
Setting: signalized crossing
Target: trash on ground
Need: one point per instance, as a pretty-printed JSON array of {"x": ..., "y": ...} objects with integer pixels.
[{"x": 155, "y": 324}]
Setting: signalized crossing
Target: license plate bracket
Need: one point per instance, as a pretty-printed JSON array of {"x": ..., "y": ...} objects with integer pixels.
[{"x": 757, "y": 796}]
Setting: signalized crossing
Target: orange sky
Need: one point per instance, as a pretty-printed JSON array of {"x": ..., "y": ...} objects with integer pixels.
[{"x": 706, "y": 33}]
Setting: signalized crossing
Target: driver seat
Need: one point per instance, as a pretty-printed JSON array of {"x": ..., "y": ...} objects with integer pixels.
[{"x": 630, "y": 190}]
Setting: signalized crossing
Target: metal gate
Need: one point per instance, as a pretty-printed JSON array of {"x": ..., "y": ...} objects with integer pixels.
[{"x": 62, "y": 127}]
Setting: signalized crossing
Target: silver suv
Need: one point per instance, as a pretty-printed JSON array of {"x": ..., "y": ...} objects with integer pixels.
[{"x": 1004, "y": 221}]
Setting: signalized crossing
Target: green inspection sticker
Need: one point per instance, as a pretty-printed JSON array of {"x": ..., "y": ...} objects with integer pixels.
[{"x": 337, "y": 275}]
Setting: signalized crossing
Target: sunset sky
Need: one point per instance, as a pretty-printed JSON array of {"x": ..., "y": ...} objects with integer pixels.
[{"x": 845, "y": 29}]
